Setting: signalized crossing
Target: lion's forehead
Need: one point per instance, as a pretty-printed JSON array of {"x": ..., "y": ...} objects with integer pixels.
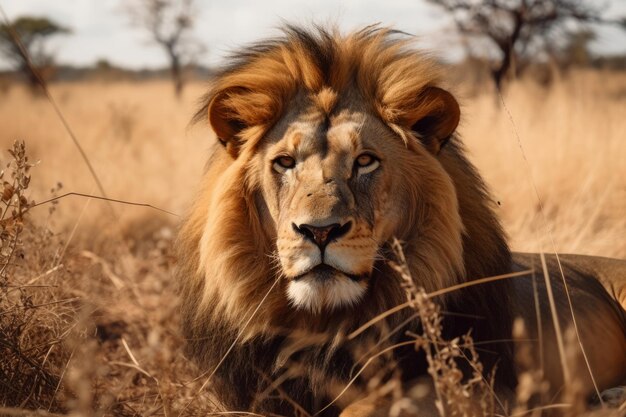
[
  {"x": 346, "y": 135},
  {"x": 324, "y": 134}
]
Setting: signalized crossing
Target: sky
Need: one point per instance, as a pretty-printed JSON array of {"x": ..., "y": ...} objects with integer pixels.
[{"x": 101, "y": 29}]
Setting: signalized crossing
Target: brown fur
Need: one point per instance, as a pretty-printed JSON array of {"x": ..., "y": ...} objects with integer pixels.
[
  {"x": 438, "y": 206},
  {"x": 594, "y": 285}
]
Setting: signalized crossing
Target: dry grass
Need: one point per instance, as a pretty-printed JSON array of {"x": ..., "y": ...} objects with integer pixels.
[
  {"x": 112, "y": 336},
  {"x": 572, "y": 135},
  {"x": 136, "y": 137},
  {"x": 110, "y": 341}
]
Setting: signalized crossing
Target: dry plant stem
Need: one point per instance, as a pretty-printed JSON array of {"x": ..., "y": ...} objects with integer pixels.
[
  {"x": 555, "y": 321},
  {"x": 554, "y": 250},
  {"x": 72, "y": 233},
  {"x": 539, "y": 323},
  {"x": 416, "y": 299},
  {"x": 455, "y": 395},
  {"x": 15, "y": 202},
  {"x": 13, "y": 246},
  {"x": 433, "y": 294},
  {"x": 45, "y": 274},
  {"x": 383, "y": 339},
  {"x": 112, "y": 200},
  {"x": 365, "y": 365},
  {"x": 60, "y": 380},
  {"x": 44, "y": 87},
  {"x": 276, "y": 386},
  {"x": 488, "y": 384}
]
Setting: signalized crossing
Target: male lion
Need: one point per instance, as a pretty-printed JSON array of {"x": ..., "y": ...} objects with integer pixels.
[{"x": 329, "y": 147}]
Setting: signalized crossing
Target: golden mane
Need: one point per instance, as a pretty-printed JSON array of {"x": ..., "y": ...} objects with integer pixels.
[
  {"x": 225, "y": 268},
  {"x": 379, "y": 62}
]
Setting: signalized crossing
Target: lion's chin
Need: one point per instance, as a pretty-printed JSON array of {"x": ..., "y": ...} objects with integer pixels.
[{"x": 325, "y": 289}]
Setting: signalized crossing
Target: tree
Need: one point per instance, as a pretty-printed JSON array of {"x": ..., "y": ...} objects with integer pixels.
[
  {"x": 517, "y": 28},
  {"x": 170, "y": 23},
  {"x": 29, "y": 55}
]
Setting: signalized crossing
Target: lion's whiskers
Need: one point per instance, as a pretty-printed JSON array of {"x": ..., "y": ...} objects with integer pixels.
[{"x": 275, "y": 264}]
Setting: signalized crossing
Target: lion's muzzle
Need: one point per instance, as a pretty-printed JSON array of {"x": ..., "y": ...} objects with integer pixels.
[{"x": 327, "y": 262}]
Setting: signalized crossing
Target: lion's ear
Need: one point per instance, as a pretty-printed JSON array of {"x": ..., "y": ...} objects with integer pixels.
[
  {"x": 226, "y": 121},
  {"x": 434, "y": 117}
]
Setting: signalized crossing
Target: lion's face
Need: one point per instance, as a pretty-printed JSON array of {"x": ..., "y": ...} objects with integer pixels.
[
  {"x": 324, "y": 164},
  {"x": 326, "y": 183}
]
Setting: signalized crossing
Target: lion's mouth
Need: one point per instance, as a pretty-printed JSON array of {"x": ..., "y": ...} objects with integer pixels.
[
  {"x": 326, "y": 288},
  {"x": 324, "y": 272}
]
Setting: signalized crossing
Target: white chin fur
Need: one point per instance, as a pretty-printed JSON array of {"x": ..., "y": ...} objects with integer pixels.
[{"x": 313, "y": 294}]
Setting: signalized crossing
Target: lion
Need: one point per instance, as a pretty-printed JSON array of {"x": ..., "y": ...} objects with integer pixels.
[{"x": 331, "y": 146}]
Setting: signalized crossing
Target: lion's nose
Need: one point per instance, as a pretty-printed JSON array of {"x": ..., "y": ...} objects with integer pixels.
[{"x": 323, "y": 235}]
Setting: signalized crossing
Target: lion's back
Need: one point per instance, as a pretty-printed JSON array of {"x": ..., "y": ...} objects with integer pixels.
[
  {"x": 596, "y": 289},
  {"x": 609, "y": 272}
]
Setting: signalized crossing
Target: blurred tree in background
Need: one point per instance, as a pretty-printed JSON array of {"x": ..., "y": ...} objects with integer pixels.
[
  {"x": 170, "y": 23},
  {"x": 521, "y": 30},
  {"x": 29, "y": 55}
]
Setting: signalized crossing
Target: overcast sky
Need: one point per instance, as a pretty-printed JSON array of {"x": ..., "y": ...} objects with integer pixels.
[{"x": 101, "y": 30}]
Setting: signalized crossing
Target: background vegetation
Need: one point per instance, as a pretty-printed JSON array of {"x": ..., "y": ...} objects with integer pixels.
[{"x": 88, "y": 307}]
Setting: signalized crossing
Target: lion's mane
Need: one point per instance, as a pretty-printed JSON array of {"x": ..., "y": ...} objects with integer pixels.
[{"x": 225, "y": 268}]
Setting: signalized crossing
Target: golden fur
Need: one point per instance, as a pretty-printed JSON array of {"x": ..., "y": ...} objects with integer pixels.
[{"x": 321, "y": 99}]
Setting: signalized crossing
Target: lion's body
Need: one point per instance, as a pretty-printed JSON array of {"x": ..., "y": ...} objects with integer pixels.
[
  {"x": 595, "y": 286},
  {"x": 333, "y": 146}
]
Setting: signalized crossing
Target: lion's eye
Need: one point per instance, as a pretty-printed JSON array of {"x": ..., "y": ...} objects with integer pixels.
[
  {"x": 364, "y": 160},
  {"x": 283, "y": 163},
  {"x": 366, "y": 163}
]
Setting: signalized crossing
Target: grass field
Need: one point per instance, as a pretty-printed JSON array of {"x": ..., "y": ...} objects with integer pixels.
[{"x": 92, "y": 284}]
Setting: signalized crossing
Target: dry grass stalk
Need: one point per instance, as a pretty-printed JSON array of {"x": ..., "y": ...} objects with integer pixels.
[
  {"x": 531, "y": 386},
  {"x": 25, "y": 374},
  {"x": 456, "y": 395}
]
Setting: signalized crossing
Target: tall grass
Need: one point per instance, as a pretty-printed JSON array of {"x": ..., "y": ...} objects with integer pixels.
[
  {"x": 109, "y": 341},
  {"x": 571, "y": 148},
  {"x": 136, "y": 136}
]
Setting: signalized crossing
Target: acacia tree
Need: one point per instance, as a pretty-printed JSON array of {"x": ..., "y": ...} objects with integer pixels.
[
  {"x": 170, "y": 24},
  {"x": 517, "y": 28},
  {"x": 23, "y": 42}
]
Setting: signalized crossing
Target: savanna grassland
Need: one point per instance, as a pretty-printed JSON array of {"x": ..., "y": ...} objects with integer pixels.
[{"x": 89, "y": 315}]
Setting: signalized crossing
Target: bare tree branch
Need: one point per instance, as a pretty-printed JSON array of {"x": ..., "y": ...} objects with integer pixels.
[{"x": 514, "y": 27}]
